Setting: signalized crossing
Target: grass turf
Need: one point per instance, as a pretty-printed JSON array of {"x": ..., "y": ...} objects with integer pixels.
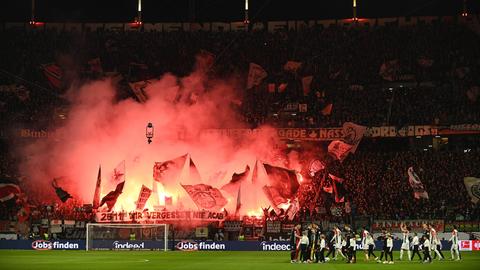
[{"x": 105, "y": 260}]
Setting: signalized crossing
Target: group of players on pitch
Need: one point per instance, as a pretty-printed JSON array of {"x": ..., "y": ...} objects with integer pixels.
[{"x": 310, "y": 245}]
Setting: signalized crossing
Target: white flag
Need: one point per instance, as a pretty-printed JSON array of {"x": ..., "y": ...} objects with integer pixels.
[
  {"x": 256, "y": 74},
  {"x": 417, "y": 186},
  {"x": 339, "y": 149},
  {"x": 353, "y": 134},
  {"x": 472, "y": 184}
]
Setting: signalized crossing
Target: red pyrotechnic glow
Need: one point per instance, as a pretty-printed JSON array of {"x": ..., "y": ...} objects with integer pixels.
[{"x": 102, "y": 130}]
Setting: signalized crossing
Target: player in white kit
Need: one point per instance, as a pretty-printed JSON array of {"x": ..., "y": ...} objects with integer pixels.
[
  {"x": 337, "y": 238},
  {"x": 365, "y": 234},
  {"x": 435, "y": 242},
  {"x": 405, "y": 241},
  {"x": 454, "y": 248}
]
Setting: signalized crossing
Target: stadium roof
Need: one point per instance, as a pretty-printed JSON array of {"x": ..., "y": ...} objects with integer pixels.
[{"x": 224, "y": 10}]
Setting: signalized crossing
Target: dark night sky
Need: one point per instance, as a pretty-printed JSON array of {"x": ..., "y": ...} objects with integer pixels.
[{"x": 224, "y": 10}]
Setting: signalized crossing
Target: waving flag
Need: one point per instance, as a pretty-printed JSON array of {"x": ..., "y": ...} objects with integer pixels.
[
  {"x": 327, "y": 110},
  {"x": 255, "y": 172},
  {"x": 353, "y": 134},
  {"x": 292, "y": 66},
  {"x": 239, "y": 201},
  {"x": 339, "y": 149},
  {"x": 138, "y": 89},
  {"x": 194, "y": 174},
  {"x": 237, "y": 178},
  {"x": 54, "y": 75},
  {"x": 98, "y": 189},
  {"x": 306, "y": 84},
  {"x": 338, "y": 188},
  {"x": 274, "y": 195},
  {"x": 8, "y": 191},
  {"x": 167, "y": 172},
  {"x": 417, "y": 186},
  {"x": 256, "y": 74},
  {"x": 205, "y": 196},
  {"x": 111, "y": 198},
  {"x": 61, "y": 193},
  {"x": 118, "y": 174},
  {"x": 143, "y": 196},
  {"x": 282, "y": 184},
  {"x": 472, "y": 184},
  {"x": 205, "y": 60},
  {"x": 293, "y": 209}
]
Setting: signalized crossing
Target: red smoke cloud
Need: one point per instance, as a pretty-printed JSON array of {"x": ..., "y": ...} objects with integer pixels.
[{"x": 102, "y": 131}]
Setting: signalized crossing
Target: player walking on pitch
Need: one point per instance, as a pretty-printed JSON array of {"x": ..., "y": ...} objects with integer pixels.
[
  {"x": 435, "y": 243},
  {"x": 365, "y": 246},
  {"x": 454, "y": 248},
  {"x": 415, "y": 247},
  {"x": 405, "y": 241},
  {"x": 294, "y": 242},
  {"x": 337, "y": 238}
]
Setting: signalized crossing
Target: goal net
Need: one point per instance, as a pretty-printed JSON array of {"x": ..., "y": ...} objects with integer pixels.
[{"x": 102, "y": 236}]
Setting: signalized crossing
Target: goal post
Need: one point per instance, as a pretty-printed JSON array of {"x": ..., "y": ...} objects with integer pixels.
[{"x": 126, "y": 236}]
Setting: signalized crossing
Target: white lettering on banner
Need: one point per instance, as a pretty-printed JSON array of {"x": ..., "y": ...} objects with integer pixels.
[
  {"x": 271, "y": 26},
  {"x": 465, "y": 127},
  {"x": 274, "y": 247},
  {"x": 193, "y": 246},
  {"x": 47, "y": 245},
  {"x": 159, "y": 216},
  {"x": 127, "y": 245},
  {"x": 309, "y": 134}
]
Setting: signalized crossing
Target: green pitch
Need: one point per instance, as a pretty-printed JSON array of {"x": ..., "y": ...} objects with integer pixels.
[{"x": 137, "y": 260}]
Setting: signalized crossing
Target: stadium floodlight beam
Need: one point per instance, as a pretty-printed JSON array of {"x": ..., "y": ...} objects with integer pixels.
[
  {"x": 139, "y": 13},
  {"x": 354, "y": 6},
  {"x": 246, "y": 21},
  {"x": 32, "y": 15}
]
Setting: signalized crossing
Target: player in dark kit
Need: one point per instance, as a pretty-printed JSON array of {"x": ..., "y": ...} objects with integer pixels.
[
  {"x": 313, "y": 238},
  {"x": 415, "y": 246},
  {"x": 331, "y": 244},
  {"x": 384, "y": 248},
  {"x": 352, "y": 248},
  {"x": 294, "y": 240},
  {"x": 321, "y": 247}
]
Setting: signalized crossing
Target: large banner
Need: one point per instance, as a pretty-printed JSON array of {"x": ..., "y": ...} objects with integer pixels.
[
  {"x": 43, "y": 244},
  {"x": 216, "y": 26},
  {"x": 304, "y": 134},
  {"x": 340, "y": 133},
  {"x": 415, "y": 224},
  {"x": 188, "y": 245},
  {"x": 157, "y": 217}
]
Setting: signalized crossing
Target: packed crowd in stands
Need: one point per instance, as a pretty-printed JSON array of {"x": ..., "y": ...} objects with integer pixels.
[{"x": 344, "y": 63}]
